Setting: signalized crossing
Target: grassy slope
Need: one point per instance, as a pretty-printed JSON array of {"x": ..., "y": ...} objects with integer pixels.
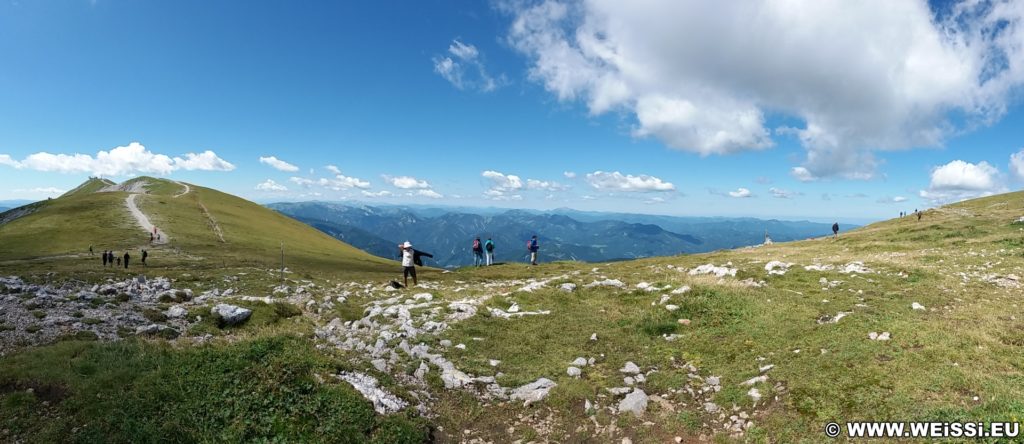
[
  {"x": 967, "y": 344},
  {"x": 58, "y": 235}
]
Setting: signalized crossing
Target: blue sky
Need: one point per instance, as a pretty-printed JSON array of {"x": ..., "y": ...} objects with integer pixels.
[{"x": 413, "y": 102}]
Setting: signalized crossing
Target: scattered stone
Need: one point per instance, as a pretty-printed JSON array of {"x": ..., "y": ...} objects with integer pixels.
[
  {"x": 534, "y": 391},
  {"x": 575, "y": 372},
  {"x": 231, "y": 314},
  {"x": 176, "y": 311},
  {"x": 383, "y": 402},
  {"x": 681, "y": 290},
  {"x": 916, "y": 306},
  {"x": 777, "y": 268},
  {"x": 715, "y": 270},
  {"x": 884, "y": 336},
  {"x": 580, "y": 362},
  {"x": 593, "y": 337},
  {"x": 754, "y": 394},
  {"x": 855, "y": 267},
  {"x": 711, "y": 407},
  {"x": 606, "y": 283},
  {"x": 671, "y": 307},
  {"x": 826, "y": 319},
  {"x": 494, "y": 362},
  {"x": 635, "y": 402},
  {"x": 567, "y": 287},
  {"x": 684, "y": 322},
  {"x": 755, "y": 380},
  {"x": 630, "y": 368}
]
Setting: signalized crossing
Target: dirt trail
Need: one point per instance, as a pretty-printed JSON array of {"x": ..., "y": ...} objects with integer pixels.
[
  {"x": 143, "y": 220},
  {"x": 187, "y": 189}
]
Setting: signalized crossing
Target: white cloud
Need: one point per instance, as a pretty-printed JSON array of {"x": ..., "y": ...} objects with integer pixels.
[
  {"x": 407, "y": 182},
  {"x": 46, "y": 191},
  {"x": 802, "y": 174},
  {"x": 655, "y": 200},
  {"x": 569, "y": 175},
  {"x": 342, "y": 182},
  {"x": 616, "y": 181},
  {"x": 782, "y": 194},
  {"x": 382, "y": 193},
  {"x": 503, "y": 186},
  {"x": 464, "y": 68},
  {"x": 429, "y": 193},
  {"x": 302, "y": 181},
  {"x": 1016, "y": 164},
  {"x": 279, "y": 164},
  {"x": 119, "y": 161},
  {"x": 533, "y": 184},
  {"x": 7, "y": 160},
  {"x": 270, "y": 185},
  {"x": 959, "y": 180},
  {"x": 740, "y": 193},
  {"x": 888, "y": 200},
  {"x": 861, "y": 76},
  {"x": 333, "y": 169},
  {"x": 337, "y": 183}
]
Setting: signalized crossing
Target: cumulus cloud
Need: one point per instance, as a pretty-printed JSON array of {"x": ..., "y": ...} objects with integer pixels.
[
  {"x": 782, "y": 194},
  {"x": 120, "y": 161},
  {"x": 569, "y": 174},
  {"x": 406, "y": 182},
  {"x": 533, "y": 184},
  {"x": 740, "y": 193},
  {"x": 860, "y": 76},
  {"x": 959, "y": 180},
  {"x": 381, "y": 193},
  {"x": 1016, "y": 164},
  {"x": 279, "y": 164},
  {"x": 464, "y": 68},
  {"x": 333, "y": 169},
  {"x": 338, "y": 182},
  {"x": 270, "y": 185},
  {"x": 429, "y": 193},
  {"x": 502, "y": 186},
  {"x": 616, "y": 181}
]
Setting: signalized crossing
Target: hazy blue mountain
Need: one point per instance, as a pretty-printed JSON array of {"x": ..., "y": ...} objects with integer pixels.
[
  {"x": 563, "y": 234},
  {"x": 449, "y": 235}
]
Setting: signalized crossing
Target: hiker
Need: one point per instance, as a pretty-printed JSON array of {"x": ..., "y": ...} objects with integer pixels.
[
  {"x": 158, "y": 237},
  {"x": 835, "y": 230},
  {"x": 408, "y": 264},
  {"x": 145, "y": 254},
  {"x": 104, "y": 258},
  {"x": 150, "y": 237},
  {"x": 532, "y": 247},
  {"x": 126, "y": 257},
  {"x": 478, "y": 252},
  {"x": 118, "y": 261},
  {"x": 489, "y": 251},
  {"x": 91, "y": 253},
  {"x": 919, "y": 214}
]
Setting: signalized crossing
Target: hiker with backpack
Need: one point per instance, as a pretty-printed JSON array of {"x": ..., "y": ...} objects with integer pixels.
[
  {"x": 532, "y": 247},
  {"x": 104, "y": 258},
  {"x": 126, "y": 257},
  {"x": 145, "y": 254},
  {"x": 478, "y": 252},
  {"x": 835, "y": 230},
  {"x": 489, "y": 251}
]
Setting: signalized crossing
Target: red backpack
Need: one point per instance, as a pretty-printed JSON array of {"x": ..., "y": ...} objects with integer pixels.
[{"x": 476, "y": 244}]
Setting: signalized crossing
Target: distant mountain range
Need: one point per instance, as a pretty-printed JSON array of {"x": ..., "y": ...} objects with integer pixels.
[{"x": 564, "y": 234}]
